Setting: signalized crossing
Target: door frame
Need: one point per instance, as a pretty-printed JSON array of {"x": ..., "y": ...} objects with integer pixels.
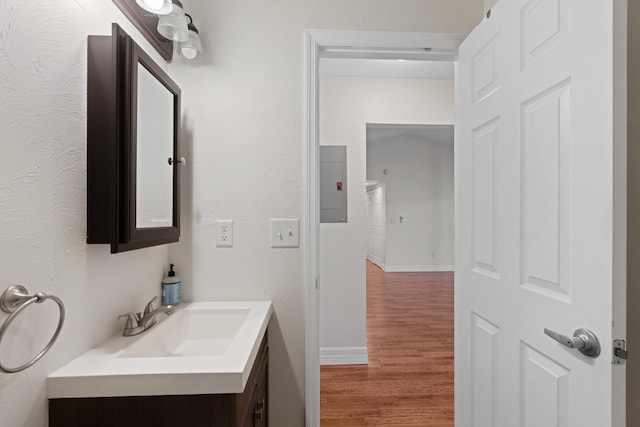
[{"x": 316, "y": 43}]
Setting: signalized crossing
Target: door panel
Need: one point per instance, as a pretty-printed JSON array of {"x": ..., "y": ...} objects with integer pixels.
[
  {"x": 485, "y": 146},
  {"x": 545, "y": 24},
  {"x": 545, "y": 177},
  {"x": 485, "y": 73},
  {"x": 544, "y": 390},
  {"x": 485, "y": 337},
  {"x": 534, "y": 227}
]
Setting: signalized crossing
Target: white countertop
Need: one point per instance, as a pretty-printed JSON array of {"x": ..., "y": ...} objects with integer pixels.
[{"x": 107, "y": 371}]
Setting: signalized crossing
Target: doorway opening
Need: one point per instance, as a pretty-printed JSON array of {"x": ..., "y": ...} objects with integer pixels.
[
  {"x": 346, "y": 44},
  {"x": 410, "y": 192},
  {"x": 409, "y": 308}
]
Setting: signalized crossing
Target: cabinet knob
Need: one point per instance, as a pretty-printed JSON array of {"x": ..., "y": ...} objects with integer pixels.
[{"x": 182, "y": 161}]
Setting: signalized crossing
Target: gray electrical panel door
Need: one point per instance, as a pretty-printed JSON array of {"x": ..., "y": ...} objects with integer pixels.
[{"x": 333, "y": 183}]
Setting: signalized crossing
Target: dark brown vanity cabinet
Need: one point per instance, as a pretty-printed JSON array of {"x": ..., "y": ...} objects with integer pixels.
[
  {"x": 247, "y": 409},
  {"x": 133, "y": 125}
]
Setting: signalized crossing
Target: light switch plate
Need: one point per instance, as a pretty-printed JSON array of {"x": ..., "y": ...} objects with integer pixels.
[{"x": 285, "y": 233}]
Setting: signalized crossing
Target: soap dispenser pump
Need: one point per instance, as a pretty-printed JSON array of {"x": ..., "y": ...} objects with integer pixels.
[{"x": 171, "y": 288}]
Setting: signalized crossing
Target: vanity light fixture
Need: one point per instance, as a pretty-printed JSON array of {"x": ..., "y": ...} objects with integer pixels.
[
  {"x": 191, "y": 48},
  {"x": 159, "y": 7},
  {"x": 174, "y": 25}
]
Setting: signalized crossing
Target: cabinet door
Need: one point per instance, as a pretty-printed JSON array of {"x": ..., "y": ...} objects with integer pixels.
[
  {"x": 258, "y": 414},
  {"x": 261, "y": 409},
  {"x": 249, "y": 420}
]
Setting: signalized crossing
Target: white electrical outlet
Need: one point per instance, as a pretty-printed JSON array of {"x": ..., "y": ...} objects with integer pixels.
[{"x": 224, "y": 233}]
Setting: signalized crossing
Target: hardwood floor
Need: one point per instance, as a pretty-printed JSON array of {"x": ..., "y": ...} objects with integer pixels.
[{"x": 409, "y": 379}]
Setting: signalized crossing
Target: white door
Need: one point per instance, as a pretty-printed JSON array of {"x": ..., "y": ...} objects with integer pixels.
[
  {"x": 370, "y": 225},
  {"x": 379, "y": 227},
  {"x": 535, "y": 236},
  {"x": 376, "y": 226}
]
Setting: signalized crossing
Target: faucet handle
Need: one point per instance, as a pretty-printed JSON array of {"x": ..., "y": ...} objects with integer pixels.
[
  {"x": 149, "y": 308},
  {"x": 132, "y": 320}
]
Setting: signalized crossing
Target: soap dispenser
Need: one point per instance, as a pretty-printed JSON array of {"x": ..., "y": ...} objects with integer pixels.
[{"x": 171, "y": 288}]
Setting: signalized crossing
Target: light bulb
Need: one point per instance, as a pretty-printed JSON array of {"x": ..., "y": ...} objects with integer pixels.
[
  {"x": 191, "y": 47},
  {"x": 189, "y": 52},
  {"x": 158, "y": 7},
  {"x": 154, "y": 4}
]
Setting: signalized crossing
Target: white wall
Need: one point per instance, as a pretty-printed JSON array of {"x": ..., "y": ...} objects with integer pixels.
[
  {"x": 43, "y": 50},
  {"x": 242, "y": 132},
  {"x": 419, "y": 188},
  {"x": 346, "y": 106}
]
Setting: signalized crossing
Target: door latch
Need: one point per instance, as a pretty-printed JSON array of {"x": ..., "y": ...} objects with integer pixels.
[{"x": 619, "y": 352}]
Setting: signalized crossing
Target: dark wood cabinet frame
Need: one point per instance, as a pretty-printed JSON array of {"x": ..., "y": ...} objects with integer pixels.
[
  {"x": 112, "y": 144},
  {"x": 146, "y": 23}
]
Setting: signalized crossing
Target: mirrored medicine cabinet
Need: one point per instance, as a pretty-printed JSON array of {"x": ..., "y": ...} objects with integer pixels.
[{"x": 133, "y": 123}]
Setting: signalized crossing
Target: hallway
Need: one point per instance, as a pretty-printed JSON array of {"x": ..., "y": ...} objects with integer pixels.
[{"x": 409, "y": 379}]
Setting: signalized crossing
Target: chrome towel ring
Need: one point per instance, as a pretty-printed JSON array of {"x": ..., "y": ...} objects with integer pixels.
[{"x": 14, "y": 300}]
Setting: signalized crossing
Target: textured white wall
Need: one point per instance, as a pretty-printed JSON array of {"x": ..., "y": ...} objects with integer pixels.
[
  {"x": 43, "y": 49},
  {"x": 242, "y": 132},
  {"x": 419, "y": 187},
  {"x": 346, "y": 106}
]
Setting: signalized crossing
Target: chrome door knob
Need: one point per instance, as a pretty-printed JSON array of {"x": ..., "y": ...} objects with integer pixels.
[{"x": 585, "y": 341}]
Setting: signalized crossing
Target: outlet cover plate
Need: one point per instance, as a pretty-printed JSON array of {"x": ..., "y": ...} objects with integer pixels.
[
  {"x": 224, "y": 233},
  {"x": 285, "y": 233}
]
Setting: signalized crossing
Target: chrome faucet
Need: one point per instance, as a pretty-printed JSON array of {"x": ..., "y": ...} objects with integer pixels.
[{"x": 140, "y": 322}]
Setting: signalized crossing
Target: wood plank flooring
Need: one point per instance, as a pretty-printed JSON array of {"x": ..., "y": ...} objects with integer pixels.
[{"x": 409, "y": 379}]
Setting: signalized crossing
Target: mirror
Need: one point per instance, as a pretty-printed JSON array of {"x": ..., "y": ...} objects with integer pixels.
[
  {"x": 154, "y": 153},
  {"x": 133, "y": 122}
]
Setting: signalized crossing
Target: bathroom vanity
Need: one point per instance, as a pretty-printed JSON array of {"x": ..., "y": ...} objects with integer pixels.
[
  {"x": 246, "y": 409},
  {"x": 206, "y": 365}
]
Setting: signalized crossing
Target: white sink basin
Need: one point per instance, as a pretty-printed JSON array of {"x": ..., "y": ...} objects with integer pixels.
[
  {"x": 191, "y": 332},
  {"x": 203, "y": 348}
]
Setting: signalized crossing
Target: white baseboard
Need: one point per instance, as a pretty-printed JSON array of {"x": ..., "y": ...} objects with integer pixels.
[
  {"x": 344, "y": 356},
  {"x": 417, "y": 268}
]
